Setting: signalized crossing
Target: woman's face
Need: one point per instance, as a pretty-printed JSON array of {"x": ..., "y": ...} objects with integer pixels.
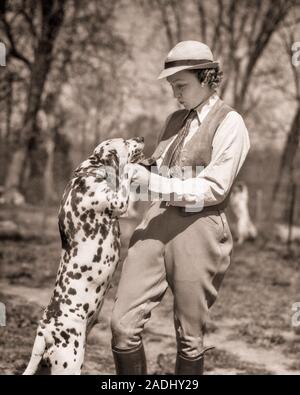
[{"x": 187, "y": 89}]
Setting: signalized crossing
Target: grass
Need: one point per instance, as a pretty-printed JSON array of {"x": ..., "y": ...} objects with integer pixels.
[{"x": 256, "y": 300}]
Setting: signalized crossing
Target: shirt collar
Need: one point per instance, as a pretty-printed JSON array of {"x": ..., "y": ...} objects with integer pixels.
[{"x": 204, "y": 110}]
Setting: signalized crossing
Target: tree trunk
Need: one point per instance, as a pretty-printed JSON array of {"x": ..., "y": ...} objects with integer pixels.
[
  {"x": 289, "y": 152},
  {"x": 15, "y": 169},
  {"x": 52, "y": 19},
  {"x": 288, "y": 158},
  {"x": 50, "y": 194}
]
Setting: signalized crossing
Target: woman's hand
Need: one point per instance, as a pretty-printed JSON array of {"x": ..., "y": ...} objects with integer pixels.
[{"x": 141, "y": 175}]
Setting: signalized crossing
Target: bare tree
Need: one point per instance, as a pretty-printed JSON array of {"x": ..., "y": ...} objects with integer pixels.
[
  {"x": 287, "y": 168},
  {"x": 39, "y": 182},
  {"x": 171, "y": 16},
  {"x": 238, "y": 32},
  {"x": 97, "y": 75},
  {"x": 64, "y": 44},
  {"x": 44, "y": 30}
]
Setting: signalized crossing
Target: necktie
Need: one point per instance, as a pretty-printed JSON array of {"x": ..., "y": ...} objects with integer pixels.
[{"x": 172, "y": 155}]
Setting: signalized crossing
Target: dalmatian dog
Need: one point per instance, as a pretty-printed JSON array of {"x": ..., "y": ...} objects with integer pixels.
[{"x": 90, "y": 235}]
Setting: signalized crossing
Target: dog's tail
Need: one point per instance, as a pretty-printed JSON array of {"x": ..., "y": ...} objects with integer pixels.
[{"x": 36, "y": 355}]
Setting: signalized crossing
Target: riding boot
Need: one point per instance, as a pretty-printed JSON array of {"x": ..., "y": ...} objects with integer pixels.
[
  {"x": 130, "y": 362},
  {"x": 189, "y": 366}
]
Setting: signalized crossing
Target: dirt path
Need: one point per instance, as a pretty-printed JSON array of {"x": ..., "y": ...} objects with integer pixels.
[{"x": 160, "y": 339}]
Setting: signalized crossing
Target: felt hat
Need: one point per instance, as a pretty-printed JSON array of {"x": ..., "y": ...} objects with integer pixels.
[{"x": 187, "y": 55}]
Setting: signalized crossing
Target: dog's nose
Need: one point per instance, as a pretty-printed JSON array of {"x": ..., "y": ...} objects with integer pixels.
[{"x": 139, "y": 139}]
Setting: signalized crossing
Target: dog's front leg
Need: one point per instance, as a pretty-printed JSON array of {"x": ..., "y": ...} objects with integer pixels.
[{"x": 118, "y": 201}]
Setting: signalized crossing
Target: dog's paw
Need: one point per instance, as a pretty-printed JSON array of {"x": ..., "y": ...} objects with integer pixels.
[{"x": 129, "y": 171}]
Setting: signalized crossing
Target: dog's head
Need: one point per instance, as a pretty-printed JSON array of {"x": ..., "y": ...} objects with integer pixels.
[
  {"x": 118, "y": 152},
  {"x": 111, "y": 156}
]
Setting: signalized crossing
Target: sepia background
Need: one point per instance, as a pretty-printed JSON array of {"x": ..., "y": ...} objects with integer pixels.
[{"x": 79, "y": 72}]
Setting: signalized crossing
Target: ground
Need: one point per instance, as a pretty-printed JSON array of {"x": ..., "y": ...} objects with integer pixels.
[{"x": 250, "y": 324}]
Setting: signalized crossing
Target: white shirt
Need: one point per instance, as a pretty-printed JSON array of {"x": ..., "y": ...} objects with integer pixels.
[{"x": 230, "y": 147}]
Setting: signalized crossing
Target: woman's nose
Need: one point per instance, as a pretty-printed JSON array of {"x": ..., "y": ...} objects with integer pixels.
[{"x": 176, "y": 94}]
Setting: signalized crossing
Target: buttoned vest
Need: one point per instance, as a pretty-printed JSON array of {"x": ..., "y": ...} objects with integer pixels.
[{"x": 198, "y": 150}]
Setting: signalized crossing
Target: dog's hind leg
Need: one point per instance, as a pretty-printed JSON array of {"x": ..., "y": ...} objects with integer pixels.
[
  {"x": 95, "y": 319},
  {"x": 36, "y": 355},
  {"x": 68, "y": 360}
]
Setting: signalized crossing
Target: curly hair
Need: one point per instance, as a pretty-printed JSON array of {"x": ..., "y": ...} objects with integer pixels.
[{"x": 210, "y": 77}]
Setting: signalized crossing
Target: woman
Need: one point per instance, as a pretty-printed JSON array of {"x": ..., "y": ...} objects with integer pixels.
[{"x": 184, "y": 240}]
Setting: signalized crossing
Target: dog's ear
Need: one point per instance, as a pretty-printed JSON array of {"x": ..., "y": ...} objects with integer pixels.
[
  {"x": 115, "y": 163},
  {"x": 89, "y": 164},
  {"x": 111, "y": 158},
  {"x": 88, "y": 168},
  {"x": 99, "y": 152}
]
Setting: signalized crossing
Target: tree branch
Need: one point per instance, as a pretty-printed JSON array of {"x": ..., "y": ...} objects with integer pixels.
[
  {"x": 13, "y": 51},
  {"x": 203, "y": 24}
]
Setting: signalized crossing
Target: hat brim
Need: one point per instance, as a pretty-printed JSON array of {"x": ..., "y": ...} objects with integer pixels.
[{"x": 173, "y": 70}]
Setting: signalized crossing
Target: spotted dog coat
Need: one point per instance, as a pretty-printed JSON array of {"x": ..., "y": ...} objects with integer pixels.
[{"x": 90, "y": 239}]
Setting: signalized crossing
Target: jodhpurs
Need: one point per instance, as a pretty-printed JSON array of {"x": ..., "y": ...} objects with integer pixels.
[{"x": 190, "y": 254}]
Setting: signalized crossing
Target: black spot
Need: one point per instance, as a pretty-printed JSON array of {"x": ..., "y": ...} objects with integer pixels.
[
  {"x": 83, "y": 217},
  {"x": 87, "y": 229},
  {"x": 72, "y": 291},
  {"x": 97, "y": 256},
  {"x": 76, "y": 276},
  {"x": 86, "y": 307},
  {"x": 65, "y": 365},
  {"x": 90, "y": 314},
  {"x": 92, "y": 215},
  {"x": 65, "y": 336}
]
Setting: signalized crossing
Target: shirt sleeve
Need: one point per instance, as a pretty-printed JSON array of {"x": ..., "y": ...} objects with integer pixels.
[{"x": 230, "y": 148}]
